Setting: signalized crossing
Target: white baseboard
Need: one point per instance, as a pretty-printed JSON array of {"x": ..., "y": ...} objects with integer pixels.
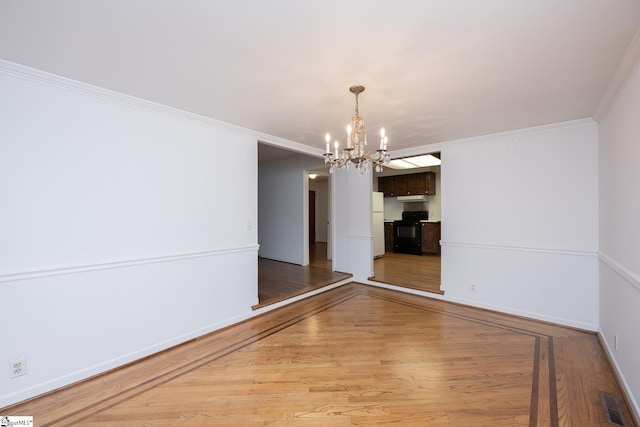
[{"x": 108, "y": 365}]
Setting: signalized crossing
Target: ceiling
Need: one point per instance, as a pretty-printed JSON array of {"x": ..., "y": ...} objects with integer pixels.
[{"x": 434, "y": 70}]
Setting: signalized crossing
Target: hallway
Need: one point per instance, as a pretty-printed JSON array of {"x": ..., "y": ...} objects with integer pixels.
[{"x": 278, "y": 280}]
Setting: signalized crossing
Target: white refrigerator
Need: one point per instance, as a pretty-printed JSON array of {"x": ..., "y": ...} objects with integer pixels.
[{"x": 378, "y": 224}]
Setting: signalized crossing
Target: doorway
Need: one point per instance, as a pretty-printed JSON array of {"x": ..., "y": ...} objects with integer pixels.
[
  {"x": 287, "y": 266},
  {"x": 312, "y": 218},
  {"x": 423, "y": 271},
  {"x": 319, "y": 217},
  {"x": 278, "y": 281}
]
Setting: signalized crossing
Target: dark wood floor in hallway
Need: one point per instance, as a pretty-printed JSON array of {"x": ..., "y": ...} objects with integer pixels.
[
  {"x": 278, "y": 280},
  {"x": 354, "y": 355}
]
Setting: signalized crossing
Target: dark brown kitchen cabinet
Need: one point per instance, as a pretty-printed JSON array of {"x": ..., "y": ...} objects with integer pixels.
[
  {"x": 430, "y": 237},
  {"x": 421, "y": 183},
  {"x": 388, "y": 237},
  {"x": 403, "y": 185},
  {"x": 424, "y": 183},
  {"x": 408, "y": 185},
  {"x": 386, "y": 184}
]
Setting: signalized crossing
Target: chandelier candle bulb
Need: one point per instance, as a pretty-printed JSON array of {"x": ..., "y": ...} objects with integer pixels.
[
  {"x": 336, "y": 144},
  {"x": 328, "y": 139}
]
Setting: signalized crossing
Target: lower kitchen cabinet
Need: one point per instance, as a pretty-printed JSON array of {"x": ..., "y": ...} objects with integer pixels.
[
  {"x": 388, "y": 237},
  {"x": 430, "y": 237}
]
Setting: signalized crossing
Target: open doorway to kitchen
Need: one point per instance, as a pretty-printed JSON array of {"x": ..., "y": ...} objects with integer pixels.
[{"x": 412, "y": 224}]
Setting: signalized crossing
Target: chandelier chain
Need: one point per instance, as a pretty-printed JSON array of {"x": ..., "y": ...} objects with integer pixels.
[{"x": 357, "y": 109}]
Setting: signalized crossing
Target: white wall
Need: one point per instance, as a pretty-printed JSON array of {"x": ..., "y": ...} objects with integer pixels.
[
  {"x": 620, "y": 232},
  {"x": 353, "y": 225},
  {"x": 113, "y": 241},
  {"x": 283, "y": 201},
  {"x": 521, "y": 222}
]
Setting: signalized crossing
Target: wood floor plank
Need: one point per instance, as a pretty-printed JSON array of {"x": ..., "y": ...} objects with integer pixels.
[
  {"x": 421, "y": 272},
  {"x": 355, "y": 355},
  {"x": 278, "y": 281}
]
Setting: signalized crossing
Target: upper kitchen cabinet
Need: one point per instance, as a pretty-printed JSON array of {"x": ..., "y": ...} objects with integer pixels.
[
  {"x": 408, "y": 185},
  {"x": 387, "y": 185}
]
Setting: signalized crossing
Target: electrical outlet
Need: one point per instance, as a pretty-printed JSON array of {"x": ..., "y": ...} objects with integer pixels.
[
  {"x": 472, "y": 287},
  {"x": 17, "y": 367}
]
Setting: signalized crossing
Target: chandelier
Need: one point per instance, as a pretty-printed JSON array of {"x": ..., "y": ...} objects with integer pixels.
[{"x": 356, "y": 142}]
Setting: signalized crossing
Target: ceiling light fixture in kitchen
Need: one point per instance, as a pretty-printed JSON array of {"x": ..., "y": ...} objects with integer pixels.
[
  {"x": 423, "y": 161},
  {"x": 355, "y": 149}
]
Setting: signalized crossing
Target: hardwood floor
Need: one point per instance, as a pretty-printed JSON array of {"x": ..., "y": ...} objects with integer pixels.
[
  {"x": 278, "y": 281},
  {"x": 354, "y": 355},
  {"x": 420, "y": 272}
]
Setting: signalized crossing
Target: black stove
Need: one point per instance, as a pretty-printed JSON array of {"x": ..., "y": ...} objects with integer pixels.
[{"x": 407, "y": 232}]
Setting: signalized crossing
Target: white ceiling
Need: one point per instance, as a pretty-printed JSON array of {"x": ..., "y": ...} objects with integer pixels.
[{"x": 435, "y": 70}]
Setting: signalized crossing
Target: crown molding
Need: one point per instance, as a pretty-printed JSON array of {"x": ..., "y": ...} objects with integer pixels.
[
  {"x": 432, "y": 148},
  {"x": 625, "y": 69},
  {"x": 28, "y": 73}
]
